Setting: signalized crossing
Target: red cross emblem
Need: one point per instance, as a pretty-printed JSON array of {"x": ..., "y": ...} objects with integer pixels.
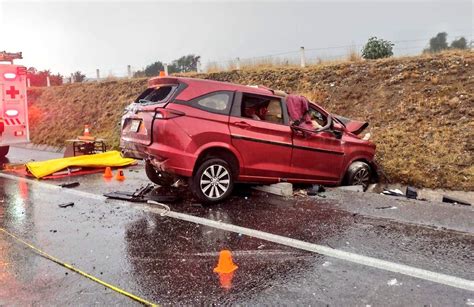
[{"x": 13, "y": 92}]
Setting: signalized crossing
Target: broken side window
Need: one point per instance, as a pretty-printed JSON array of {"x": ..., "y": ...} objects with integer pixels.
[{"x": 154, "y": 95}]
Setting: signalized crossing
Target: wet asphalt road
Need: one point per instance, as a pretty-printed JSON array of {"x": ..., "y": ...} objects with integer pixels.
[{"x": 170, "y": 261}]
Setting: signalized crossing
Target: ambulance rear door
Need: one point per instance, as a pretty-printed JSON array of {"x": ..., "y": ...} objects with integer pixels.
[{"x": 13, "y": 105}]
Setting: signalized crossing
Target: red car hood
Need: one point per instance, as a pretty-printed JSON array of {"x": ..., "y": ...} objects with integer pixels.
[{"x": 353, "y": 126}]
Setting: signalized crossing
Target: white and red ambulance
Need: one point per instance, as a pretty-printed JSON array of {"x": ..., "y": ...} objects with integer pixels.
[{"x": 13, "y": 104}]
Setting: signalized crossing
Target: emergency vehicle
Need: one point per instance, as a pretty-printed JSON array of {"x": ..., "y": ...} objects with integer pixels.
[{"x": 13, "y": 104}]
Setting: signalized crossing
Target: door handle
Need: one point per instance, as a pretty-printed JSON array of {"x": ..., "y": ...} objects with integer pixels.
[{"x": 243, "y": 125}]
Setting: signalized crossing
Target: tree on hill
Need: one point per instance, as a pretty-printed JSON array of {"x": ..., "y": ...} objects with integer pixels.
[
  {"x": 460, "y": 43},
  {"x": 38, "y": 78},
  {"x": 78, "y": 77},
  {"x": 377, "y": 48},
  {"x": 438, "y": 43},
  {"x": 151, "y": 70},
  {"x": 185, "y": 63}
]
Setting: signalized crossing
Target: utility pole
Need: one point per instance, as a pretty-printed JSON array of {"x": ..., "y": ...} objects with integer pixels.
[{"x": 303, "y": 58}]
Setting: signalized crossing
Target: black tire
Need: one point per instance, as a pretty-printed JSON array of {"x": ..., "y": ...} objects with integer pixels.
[
  {"x": 213, "y": 181},
  {"x": 4, "y": 151},
  {"x": 160, "y": 178},
  {"x": 358, "y": 173}
]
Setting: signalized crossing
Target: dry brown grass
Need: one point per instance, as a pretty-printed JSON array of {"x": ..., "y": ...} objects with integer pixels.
[
  {"x": 420, "y": 109},
  {"x": 353, "y": 55}
]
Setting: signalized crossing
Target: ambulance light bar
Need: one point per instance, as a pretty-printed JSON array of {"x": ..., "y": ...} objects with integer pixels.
[
  {"x": 11, "y": 113},
  {"x": 9, "y": 75}
]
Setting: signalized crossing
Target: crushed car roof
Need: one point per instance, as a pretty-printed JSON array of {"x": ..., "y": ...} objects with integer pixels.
[{"x": 198, "y": 87}]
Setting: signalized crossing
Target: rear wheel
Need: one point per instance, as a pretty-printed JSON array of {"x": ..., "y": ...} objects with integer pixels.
[
  {"x": 213, "y": 181},
  {"x": 358, "y": 174},
  {"x": 4, "y": 151},
  {"x": 160, "y": 178}
]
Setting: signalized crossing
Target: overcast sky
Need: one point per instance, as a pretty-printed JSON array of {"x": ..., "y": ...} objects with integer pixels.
[{"x": 69, "y": 36}]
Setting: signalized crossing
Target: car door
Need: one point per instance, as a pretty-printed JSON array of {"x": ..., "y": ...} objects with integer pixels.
[
  {"x": 265, "y": 144},
  {"x": 317, "y": 155}
]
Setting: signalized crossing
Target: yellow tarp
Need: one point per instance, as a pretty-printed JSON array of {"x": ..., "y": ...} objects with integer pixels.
[{"x": 110, "y": 158}]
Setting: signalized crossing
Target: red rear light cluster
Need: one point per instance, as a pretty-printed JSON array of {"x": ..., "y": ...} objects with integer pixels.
[
  {"x": 168, "y": 114},
  {"x": 21, "y": 70}
]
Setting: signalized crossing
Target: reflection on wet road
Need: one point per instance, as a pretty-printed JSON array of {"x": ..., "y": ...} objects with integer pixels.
[{"x": 170, "y": 261}]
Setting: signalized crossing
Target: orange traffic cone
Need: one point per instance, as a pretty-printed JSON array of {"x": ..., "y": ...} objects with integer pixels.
[
  {"x": 86, "y": 130},
  {"x": 108, "y": 173},
  {"x": 162, "y": 73},
  {"x": 86, "y": 136},
  {"x": 225, "y": 263},
  {"x": 120, "y": 176}
]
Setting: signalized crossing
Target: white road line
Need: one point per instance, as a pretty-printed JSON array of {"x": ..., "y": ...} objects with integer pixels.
[
  {"x": 52, "y": 186},
  {"x": 440, "y": 278}
]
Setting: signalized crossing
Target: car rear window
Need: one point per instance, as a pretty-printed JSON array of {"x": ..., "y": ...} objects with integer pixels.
[{"x": 154, "y": 95}]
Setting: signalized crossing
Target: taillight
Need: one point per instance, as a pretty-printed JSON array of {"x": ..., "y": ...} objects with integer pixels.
[
  {"x": 21, "y": 70},
  {"x": 11, "y": 113},
  {"x": 168, "y": 113},
  {"x": 9, "y": 75}
]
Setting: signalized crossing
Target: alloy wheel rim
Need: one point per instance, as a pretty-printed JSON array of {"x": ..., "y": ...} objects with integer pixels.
[
  {"x": 362, "y": 178},
  {"x": 215, "y": 181}
]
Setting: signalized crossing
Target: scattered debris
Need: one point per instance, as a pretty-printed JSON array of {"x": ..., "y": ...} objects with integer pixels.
[
  {"x": 384, "y": 207},
  {"x": 301, "y": 193},
  {"x": 452, "y": 200},
  {"x": 70, "y": 185},
  {"x": 387, "y": 207},
  {"x": 411, "y": 192},
  {"x": 392, "y": 192},
  {"x": 315, "y": 189},
  {"x": 65, "y": 205},
  {"x": 394, "y": 282},
  {"x": 137, "y": 196},
  {"x": 281, "y": 188},
  {"x": 353, "y": 188},
  {"x": 144, "y": 194}
]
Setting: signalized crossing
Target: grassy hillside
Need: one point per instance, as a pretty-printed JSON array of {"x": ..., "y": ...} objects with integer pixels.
[{"x": 421, "y": 110}]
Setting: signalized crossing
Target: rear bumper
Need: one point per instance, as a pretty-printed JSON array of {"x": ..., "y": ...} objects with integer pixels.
[
  {"x": 165, "y": 158},
  {"x": 171, "y": 160},
  {"x": 133, "y": 150}
]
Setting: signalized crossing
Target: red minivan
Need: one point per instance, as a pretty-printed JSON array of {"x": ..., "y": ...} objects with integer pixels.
[{"x": 217, "y": 133}]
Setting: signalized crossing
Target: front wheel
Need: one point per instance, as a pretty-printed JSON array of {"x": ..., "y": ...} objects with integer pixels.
[
  {"x": 358, "y": 174},
  {"x": 4, "y": 151},
  {"x": 213, "y": 181}
]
